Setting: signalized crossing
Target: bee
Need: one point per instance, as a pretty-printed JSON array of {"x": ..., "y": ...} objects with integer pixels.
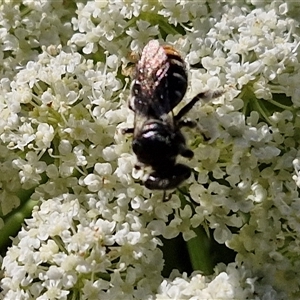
[{"x": 159, "y": 84}]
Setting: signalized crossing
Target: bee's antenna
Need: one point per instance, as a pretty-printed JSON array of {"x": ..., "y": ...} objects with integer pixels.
[{"x": 164, "y": 196}]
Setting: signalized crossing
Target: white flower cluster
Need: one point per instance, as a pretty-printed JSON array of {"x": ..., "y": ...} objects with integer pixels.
[
  {"x": 228, "y": 283},
  {"x": 63, "y": 100},
  {"x": 82, "y": 248}
]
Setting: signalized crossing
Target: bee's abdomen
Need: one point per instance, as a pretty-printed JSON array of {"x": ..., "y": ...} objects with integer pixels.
[{"x": 177, "y": 78}]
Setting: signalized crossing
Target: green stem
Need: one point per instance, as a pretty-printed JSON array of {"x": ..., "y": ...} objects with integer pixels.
[
  {"x": 166, "y": 27},
  {"x": 261, "y": 110},
  {"x": 199, "y": 247},
  {"x": 14, "y": 221},
  {"x": 199, "y": 251},
  {"x": 275, "y": 103},
  {"x": 246, "y": 103}
]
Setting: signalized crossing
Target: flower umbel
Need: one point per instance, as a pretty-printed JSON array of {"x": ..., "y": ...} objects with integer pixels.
[{"x": 95, "y": 231}]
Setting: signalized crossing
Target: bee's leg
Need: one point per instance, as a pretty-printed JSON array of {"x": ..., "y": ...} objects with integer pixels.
[
  {"x": 192, "y": 124},
  {"x": 188, "y": 107},
  {"x": 127, "y": 130},
  {"x": 166, "y": 197},
  {"x": 208, "y": 95},
  {"x": 186, "y": 152}
]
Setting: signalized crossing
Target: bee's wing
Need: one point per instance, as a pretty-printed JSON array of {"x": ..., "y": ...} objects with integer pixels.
[{"x": 150, "y": 86}]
